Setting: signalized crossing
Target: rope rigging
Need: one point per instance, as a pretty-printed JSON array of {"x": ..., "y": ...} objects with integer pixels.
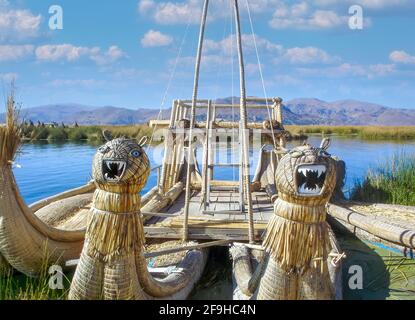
[
  {"x": 170, "y": 81},
  {"x": 243, "y": 123}
]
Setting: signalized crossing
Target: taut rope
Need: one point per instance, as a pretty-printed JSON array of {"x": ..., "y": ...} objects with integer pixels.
[{"x": 260, "y": 72}]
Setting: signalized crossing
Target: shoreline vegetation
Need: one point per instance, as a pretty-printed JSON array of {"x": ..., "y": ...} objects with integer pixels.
[
  {"x": 364, "y": 132},
  {"x": 93, "y": 134},
  {"x": 392, "y": 182}
]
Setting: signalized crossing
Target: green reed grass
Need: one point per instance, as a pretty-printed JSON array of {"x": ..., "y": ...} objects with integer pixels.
[
  {"x": 82, "y": 133},
  {"x": 364, "y": 132},
  {"x": 17, "y": 286},
  {"x": 392, "y": 182},
  {"x": 21, "y": 287}
]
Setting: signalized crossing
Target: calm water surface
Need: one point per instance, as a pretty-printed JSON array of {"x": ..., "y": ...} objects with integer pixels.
[{"x": 47, "y": 169}]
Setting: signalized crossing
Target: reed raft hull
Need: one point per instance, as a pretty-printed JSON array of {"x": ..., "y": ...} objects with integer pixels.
[{"x": 387, "y": 224}]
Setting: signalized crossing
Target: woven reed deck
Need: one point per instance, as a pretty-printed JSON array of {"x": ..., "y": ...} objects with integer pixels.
[{"x": 218, "y": 226}]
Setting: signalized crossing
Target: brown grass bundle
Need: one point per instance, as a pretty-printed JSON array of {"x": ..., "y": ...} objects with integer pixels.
[
  {"x": 111, "y": 235},
  {"x": 10, "y": 133},
  {"x": 297, "y": 237}
]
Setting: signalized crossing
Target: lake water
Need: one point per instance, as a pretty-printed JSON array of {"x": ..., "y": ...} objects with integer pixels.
[{"x": 47, "y": 169}]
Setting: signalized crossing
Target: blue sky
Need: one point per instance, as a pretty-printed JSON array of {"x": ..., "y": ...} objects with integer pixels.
[{"x": 126, "y": 53}]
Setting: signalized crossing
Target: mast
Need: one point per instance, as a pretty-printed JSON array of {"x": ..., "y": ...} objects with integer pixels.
[
  {"x": 243, "y": 126},
  {"x": 190, "y": 164}
]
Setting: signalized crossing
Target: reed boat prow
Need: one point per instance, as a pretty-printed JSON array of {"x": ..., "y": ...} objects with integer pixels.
[{"x": 26, "y": 242}]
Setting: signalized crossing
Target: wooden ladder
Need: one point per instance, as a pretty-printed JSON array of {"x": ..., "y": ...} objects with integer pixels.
[{"x": 208, "y": 170}]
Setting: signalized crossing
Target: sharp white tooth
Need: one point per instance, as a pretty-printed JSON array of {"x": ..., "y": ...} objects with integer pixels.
[
  {"x": 108, "y": 166},
  {"x": 106, "y": 176},
  {"x": 302, "y": 188}
]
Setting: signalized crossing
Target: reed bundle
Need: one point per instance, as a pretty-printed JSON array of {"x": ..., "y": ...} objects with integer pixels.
[
  {"x": 110, "y": 235},
  {"x": 297, "y": 237},
  {"x": 10, "y": 133}
]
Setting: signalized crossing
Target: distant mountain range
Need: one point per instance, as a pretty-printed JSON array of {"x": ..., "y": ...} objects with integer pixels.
[{"x": 297, "y": 111}]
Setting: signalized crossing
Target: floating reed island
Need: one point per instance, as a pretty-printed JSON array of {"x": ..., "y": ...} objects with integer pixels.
[{"x": 281, "y": 223}]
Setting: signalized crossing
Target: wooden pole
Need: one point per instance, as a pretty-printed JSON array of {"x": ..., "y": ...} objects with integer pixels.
[
  {"x": 205, "y": 178},
  {"x": 190, "y": 164},
  {"x": 243, "y": 126},
  {"x": 278, "y": 109},
  {"x": 162, "y": 185}
]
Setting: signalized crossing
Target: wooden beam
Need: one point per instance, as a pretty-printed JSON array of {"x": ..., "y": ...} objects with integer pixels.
[
  {"x": 377, "y": 227},
  {"x": 88, "y": 188},
  {"x": 186, "y": 248}
]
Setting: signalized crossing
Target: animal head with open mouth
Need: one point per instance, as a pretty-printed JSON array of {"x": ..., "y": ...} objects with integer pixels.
[
  {"x": 121, "y": 162},
  {"x": 307, "y": 172}
]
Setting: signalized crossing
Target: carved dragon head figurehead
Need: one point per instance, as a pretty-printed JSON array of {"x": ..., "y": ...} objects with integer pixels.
[
  {"x": 305, "y": 179},
  {"x": 307, "y": 175},
  {"x": 121, "y": 164}
]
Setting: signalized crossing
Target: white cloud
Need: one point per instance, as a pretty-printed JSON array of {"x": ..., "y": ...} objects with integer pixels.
[
  {"x": 17, "y": 25},
  {"x": 171, "y": 13},
  {"x": 71, "y": 53},
  {"x": 380, "y": 4},
  {"x": 368, "y": 4},
  {"x": 308, "y": 55},
  {"x": 225, "y": 46},
  {"x": 67, "y": 52},
  {"x": 145, "y": 6},
  {"x": 302, "y": 16},
  {"x": 382, "y": 69},
  {"x": 339, "y": 71},
  {"x": 190, "y": 11},
  {"x": 208, "y": 60},
  {"x": 76, "y": 83},
  {"x": 113, "y": 54},
  {"x": 155, "y": 39},
  {"x": 275, "y": 51},
  {"x": 402, "y": 57},
  {"x": 8, "y": 77},
  {"x": 350, "y": 70},
  {"x": 15, "y": 52}
]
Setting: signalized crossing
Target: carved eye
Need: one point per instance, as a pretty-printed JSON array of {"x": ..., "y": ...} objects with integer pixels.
[
  {"x": 103, "y": 149},
  {"x": 135, "y": 153}
]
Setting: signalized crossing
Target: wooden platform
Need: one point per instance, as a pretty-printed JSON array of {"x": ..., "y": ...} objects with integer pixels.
[{"x": 220, "y": 225}]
